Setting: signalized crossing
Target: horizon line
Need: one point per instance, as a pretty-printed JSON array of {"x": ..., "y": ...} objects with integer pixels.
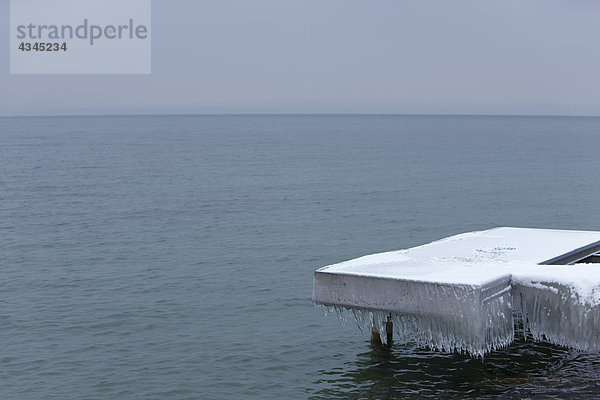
[{"x": 189, "y": 114}]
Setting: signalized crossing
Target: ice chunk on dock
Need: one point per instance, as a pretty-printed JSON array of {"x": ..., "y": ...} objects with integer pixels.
[{"x": 463, "y": 293}]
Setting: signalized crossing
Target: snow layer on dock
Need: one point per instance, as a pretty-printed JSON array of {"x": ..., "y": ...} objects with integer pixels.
[
  {"x": 463, "y": 293},
  {"x": 468, "y": 258}
]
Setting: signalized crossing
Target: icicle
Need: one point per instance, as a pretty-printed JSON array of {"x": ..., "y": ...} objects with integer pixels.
[
  {"x": 556, "y": 313},
  {"x": 550, "y": 312}
]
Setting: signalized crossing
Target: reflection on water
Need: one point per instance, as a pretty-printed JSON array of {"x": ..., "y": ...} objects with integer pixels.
[{"x": 525, "y": 369}]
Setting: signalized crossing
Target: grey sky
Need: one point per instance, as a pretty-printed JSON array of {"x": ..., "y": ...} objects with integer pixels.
[{"x": 342, "y": 56}]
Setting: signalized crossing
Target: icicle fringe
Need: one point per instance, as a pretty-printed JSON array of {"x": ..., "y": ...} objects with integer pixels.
[{"x": 555, "y": 314}]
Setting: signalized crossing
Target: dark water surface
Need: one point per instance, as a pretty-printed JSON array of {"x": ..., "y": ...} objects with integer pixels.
[{"x": 172, "y": 257}]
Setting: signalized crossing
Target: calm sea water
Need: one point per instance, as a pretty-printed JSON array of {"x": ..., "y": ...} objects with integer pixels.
[{"x": 172, "y": 257}]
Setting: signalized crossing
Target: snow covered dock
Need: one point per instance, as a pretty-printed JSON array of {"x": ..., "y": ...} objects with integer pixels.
[{"x": 467, "y": 292}]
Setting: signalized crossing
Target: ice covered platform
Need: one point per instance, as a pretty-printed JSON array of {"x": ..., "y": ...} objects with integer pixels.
[{"x": 468, "y": 292}]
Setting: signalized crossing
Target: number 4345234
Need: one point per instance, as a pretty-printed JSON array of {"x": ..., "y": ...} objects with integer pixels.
[{"x": 26, "y": 46}]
